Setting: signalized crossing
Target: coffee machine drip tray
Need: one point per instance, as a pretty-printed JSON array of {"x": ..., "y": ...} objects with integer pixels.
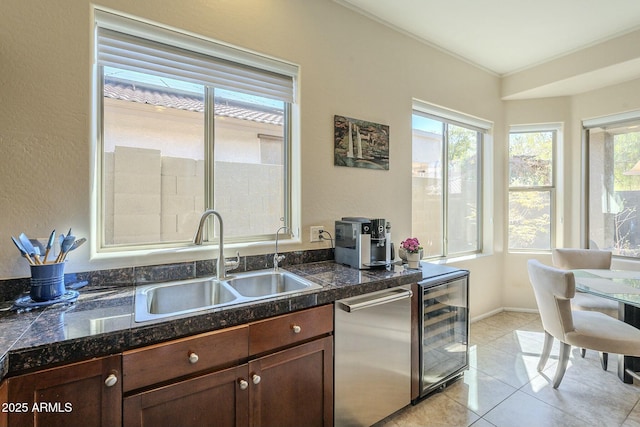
[{"x": 377, "y": 264}]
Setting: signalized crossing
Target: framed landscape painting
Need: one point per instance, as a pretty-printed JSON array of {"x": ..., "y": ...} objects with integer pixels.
[{"x": 360, "y": 144}]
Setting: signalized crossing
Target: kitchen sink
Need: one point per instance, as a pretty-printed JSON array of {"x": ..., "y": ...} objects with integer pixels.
[
  {"x": 186, "y": 296},
  {"x": 269, "y": 283},
  {"x": 160, "y": 300},
  {"x": 180, "y": 297}
]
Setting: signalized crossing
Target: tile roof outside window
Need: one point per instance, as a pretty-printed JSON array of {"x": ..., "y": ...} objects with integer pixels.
[{"x": 223, "y": 108}]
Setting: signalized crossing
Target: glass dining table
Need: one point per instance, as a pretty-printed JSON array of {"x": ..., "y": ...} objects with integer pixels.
[{"x": 622, "y": 286}]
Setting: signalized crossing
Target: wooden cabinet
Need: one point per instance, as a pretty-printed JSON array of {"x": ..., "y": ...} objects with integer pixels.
[
  {"x": 281, "y": 331},
  {"x": 4, "y": 399},
  {"x": 168, "y": 361},
  {"x": 214, "y": 399},
  {"x": 275, "y": 372},
  {"x": 294, "y": 387},
  {"x": 81, "y": 394}
]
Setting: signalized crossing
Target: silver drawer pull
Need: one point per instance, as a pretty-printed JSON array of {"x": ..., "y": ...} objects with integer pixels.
[
  {"x": 256, "y": 379},
  {"x": 296, "y": 329},
  {"x": 193, "y": 358},
  {"x": 391, "y": 296},
  {"x": 243, "y": 384}
]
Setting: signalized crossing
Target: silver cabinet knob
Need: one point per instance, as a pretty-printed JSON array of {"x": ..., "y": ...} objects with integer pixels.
[
  {"x": 256, "y": 379},
  {"x": 296, "y": 329},
  {"x": 193, "y": 358},
  {"x": 243, "y": 384},
  {"x": 111, "y": 380}
]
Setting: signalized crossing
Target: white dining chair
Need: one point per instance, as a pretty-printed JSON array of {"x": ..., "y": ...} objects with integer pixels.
[
  {"x": 570, "y": 259},
  {"x": 554, "y": 288}
]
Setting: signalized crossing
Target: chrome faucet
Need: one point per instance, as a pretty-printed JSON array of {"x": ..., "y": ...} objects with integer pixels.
[
  {"x": 222, "y": 266},
  {"x": 277, "y": 258}
]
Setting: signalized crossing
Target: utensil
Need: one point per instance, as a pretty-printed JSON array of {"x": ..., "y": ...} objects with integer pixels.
[
  {"x": 28, "y": 247},
  {"x": 37, "y": 245},
  {"x": 36, "y": 254},
  {"x": 52, "y": 237},
  {"x": 75, "y": 245},
  {"x": 67, "y": 242},
  {"x": 23, "y": 252}
]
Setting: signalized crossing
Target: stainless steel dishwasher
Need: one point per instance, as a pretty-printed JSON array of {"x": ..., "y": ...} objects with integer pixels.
[{"x": 372, "y": 356}]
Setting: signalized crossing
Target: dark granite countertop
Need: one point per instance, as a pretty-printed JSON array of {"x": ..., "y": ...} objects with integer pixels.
[{"x": 102, "y": 322}]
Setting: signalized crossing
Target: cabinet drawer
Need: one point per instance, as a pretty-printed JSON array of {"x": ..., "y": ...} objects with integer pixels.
[
  {"x": 165, "y": 361},
  {"x": 290, "y": 328}
]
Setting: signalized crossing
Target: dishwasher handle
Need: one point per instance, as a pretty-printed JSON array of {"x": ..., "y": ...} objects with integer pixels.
[{"x": 392, "y": 296}]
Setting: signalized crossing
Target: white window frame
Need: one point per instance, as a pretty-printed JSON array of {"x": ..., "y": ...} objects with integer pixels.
[
  {"x": 612, "y": 120},
  {"x": 484, "y": 128},
  {"x": 182, "y": 39},
  {"x": 553, "y": 189}
]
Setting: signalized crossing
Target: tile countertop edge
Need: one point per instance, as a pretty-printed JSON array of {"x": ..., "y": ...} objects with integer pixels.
[{"x": 338, "y": 282}]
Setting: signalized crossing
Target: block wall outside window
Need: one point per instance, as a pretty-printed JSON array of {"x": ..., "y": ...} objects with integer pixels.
[{"x": 151, "y": 197}]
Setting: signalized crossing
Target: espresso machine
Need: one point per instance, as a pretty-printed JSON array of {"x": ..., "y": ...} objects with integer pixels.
[{"x": 363, "y": 243}]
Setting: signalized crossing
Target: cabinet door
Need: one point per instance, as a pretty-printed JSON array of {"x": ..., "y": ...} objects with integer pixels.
[
  {"x": 81, "y": 394},
  {"x": 215, "y": 399},
  {"x": 293, "y": 387},
  {"x": 4, "y": 398}
]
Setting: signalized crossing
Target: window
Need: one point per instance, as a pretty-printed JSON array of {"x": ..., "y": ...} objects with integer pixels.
[
  {"x": 531, "y": 187},
  {"x": 187, "y": 124},
  {"x": 446, "y": 180},
  {"x": 613, "y": 181}
]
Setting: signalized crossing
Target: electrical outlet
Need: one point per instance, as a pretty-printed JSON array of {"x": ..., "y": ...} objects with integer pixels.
[{"x": 314, "y": 235}]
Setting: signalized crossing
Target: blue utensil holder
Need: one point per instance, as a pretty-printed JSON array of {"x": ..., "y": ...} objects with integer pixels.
[{"x": 47, "y": 281}]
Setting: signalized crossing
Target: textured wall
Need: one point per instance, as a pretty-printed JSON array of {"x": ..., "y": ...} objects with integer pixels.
[{"x": 350, "y": 66}]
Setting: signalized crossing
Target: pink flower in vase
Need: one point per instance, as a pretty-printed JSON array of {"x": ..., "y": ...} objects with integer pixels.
[{"x": 411, "y": 245}]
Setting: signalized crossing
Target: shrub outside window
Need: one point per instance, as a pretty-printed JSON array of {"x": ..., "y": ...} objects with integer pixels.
[{"x": 531, "y": 189}]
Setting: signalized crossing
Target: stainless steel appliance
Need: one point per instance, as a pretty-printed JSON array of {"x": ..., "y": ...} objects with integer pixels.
[
  {"x": 363, "y": 243},
  {"x": 372, "y": 356},
  {"x": 444, "y": 326}
]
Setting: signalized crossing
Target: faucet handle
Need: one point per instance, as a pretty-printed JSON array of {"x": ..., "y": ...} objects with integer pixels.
[
  {"x": 232, "y": 265},
  {"x": 276, "y": 261}
]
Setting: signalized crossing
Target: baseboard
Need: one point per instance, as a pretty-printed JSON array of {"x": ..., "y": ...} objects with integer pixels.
[
  {"x": 485, "y": 315},
  {"x": 521, "y": 310},
  {"x": 500, "y": 310}
]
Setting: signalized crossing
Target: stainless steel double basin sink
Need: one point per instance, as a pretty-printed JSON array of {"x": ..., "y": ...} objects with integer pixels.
[{"x": 160, "y": 300}]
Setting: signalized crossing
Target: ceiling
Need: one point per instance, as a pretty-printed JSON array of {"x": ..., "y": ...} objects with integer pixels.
[{"x": 507, "y": 36}]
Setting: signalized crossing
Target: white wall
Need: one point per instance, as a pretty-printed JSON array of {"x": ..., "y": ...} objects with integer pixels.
[
  {"x": 349, "y": 65},
  {"x": 570, "y": 111}
]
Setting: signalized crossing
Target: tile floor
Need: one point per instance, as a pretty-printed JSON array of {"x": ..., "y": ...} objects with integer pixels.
[{"x": 502, "y": 387}]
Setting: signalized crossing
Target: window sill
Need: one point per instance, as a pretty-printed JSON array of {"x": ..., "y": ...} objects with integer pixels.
[
  {"x": 453, "y": 260},
  {"x": 189, "y": 251}
]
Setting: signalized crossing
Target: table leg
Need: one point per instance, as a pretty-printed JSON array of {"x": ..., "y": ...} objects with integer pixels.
[{"x": 631, "y": 315}]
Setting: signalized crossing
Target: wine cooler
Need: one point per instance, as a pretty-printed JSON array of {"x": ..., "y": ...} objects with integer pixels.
[{"x": 444, "y": 326}]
